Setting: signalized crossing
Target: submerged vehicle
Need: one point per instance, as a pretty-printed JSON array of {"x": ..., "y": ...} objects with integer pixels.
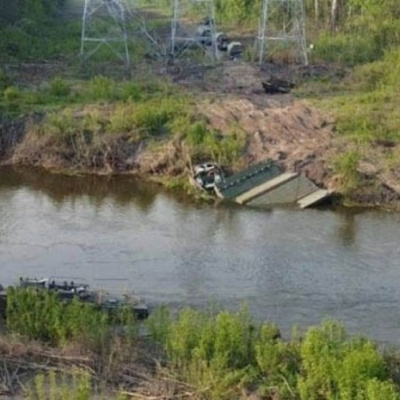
[
  {"x": 260, "y": 185},
  {"x": 206, "y": 176},
  {"x": 69, "y": 290}
]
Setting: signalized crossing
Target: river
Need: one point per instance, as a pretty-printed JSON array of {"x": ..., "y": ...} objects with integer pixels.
[{"x": 291, "y": 267}]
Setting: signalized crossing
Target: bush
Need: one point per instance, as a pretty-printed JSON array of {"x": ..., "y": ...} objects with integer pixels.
[
  {"x": 206, "y": 143},
  {"x": 338, "y": 367},
  {"x": 12, "y": 99},
  {"x": 74, "y": 384},
  {"x": 61, "y": 124},
  {"x": 11, "y": 93},
  {"x": 41, "y": 315},
  {"x": 132, "y": 92},
  {"x": 346, "y": 166},
  {"x": 102, "y": 88},
  {"x": 278, "y": 361},
  {"x": 59, "y": 88},
  {"x": 152, "y": 117},
  {"x": 348, "y": 49}
]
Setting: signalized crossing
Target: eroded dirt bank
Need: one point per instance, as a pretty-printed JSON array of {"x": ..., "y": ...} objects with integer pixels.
[{"x": 280, "y": 127}]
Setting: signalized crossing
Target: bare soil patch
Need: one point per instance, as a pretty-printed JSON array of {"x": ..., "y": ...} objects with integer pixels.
[{"x": 294, "y": 134}]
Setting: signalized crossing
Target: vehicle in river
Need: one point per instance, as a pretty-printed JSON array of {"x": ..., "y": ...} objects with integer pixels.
[
  {"x": 69, "y": 290},
  {"x": 206, "y": 176},
  {"x": 263, "y": 184}
]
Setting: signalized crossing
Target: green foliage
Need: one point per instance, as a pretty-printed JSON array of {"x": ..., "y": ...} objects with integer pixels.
[
  {"x": 338, "y": 367},
  {"x": 61, "y": 124},
  {"x": 278, "y": 361},
  {"x": 380, "y": 75},
  {"x": 205, "y": 143},
  {"x": 75, "y": 385},
  {"x": 212, "y": 351},
  {"x": 132, "y": 91},
  {"x": 59, "y": 88},
  {"x": 102, "y": 88},
  {"x": 11, "y": 93},
  {"x": 41, "y": 315},
  {"x": 346, "y": 166},
  {"x": 152, "y": 117},
  {"x": 159, "y": 323},
  {"x": 37, "y": 40},
  {"x": 347, "y": 49}
]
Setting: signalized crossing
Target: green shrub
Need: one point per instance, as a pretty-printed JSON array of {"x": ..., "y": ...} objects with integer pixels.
[
  {"x": 348, "y": 49},
  {"x": 122, "y": 120},
  {"x": 40, "y": 315},
  {"x": 338, "y": 367},
  {"x": 346, "y": 166},
  {"x": 206, "y": 143},
  {"x": 213, "y": 352},
  {"x": 152, "y": 117},
  {"x": 12, "y": 100},
  {"x": 102, "y": 88},
  {"x": 131, "y": 91},
  {"x": 61, "y": 124},
  {"x": 75, "y": 384},
  {"x": 59, "y": 88},
  {"x": 159, "y": 324},
  {"x": 277, "y": 358},
  {"x": 382, "y": 74},
  {"x": 11, "y": 93}
]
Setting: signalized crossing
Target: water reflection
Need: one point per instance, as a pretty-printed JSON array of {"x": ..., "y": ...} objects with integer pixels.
[
  {"x": 96, "y": 189},
  {"x": 347, "y": 230}
]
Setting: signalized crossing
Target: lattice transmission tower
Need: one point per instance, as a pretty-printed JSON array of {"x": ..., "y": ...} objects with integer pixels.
[
  {"x": 188, "y": 35},
  {"x": 104, "y": 24},
  {"x": 282, "y": 30}
]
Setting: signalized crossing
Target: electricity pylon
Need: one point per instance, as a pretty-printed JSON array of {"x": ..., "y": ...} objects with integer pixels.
[
  {"x": 186, "y": 35},
  {"x": 282, "y": 28},
  {"x": 104, "y": 24}
]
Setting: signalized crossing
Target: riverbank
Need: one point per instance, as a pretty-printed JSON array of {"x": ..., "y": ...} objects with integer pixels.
[
  {"x": 209, "y": 355},
  {"x": 157, "y": 129}
]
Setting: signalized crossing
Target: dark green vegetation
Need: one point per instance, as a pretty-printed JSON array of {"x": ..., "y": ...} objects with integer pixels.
[
  {"x": 35, "y": 31},
  {"x": 204, "y": 355},
  {"x": 41, "y": 315}
]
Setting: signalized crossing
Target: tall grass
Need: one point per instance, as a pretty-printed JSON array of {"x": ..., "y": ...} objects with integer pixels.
[
  {"x": 346, "y": 166},
  {"x": 224, "y": 355},
  {"x": 41, "y": 315},
  {"x": 217, "y": 354}
]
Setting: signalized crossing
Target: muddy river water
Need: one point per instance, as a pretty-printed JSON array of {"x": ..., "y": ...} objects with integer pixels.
[{"x": 289, "y": 266}]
